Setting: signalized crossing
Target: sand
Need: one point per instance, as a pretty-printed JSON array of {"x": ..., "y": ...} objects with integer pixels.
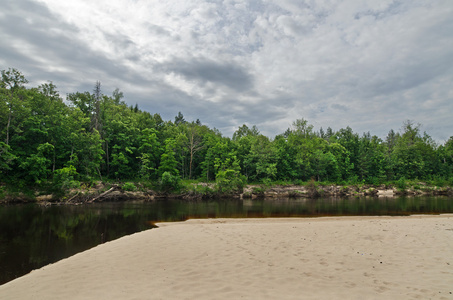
[{"x": 321, "y": 258}]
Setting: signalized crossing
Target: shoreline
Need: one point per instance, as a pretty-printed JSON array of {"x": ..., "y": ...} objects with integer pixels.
[
  {"x": 206, "y": 191},
  {"x": 290, "y": 258}
]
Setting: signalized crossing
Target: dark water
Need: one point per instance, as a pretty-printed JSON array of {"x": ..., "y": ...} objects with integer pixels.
[{"x": 32, "y": 236}]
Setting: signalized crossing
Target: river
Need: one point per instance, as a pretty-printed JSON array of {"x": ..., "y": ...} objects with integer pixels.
[{"x": 32, "y": 236}]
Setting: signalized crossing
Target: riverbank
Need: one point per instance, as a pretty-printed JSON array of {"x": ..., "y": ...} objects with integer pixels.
[
  {"x": 128, "y": 191},
  {"x": 322, "y": 258}
]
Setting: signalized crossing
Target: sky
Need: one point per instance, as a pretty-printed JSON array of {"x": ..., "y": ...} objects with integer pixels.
[{"x": 369, "y": 65}]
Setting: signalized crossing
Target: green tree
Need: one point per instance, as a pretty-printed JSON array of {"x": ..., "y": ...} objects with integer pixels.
[
  {"x": 84, "y": 101},
  {"x": 86, "y": 154},
  {"x": 179, "y": 119},
  {"x": 149, "y": 153},
  {"x": 301, "y": 128},
  {"x": 350, "y": 141},
  {"x": 261, "y": 160},
  {"x": 285, "y": 156},
  {"x": 445, "y": 158},
  {"x": 194, "y": 143},
  {"x": 214, "y": 147},
  {"x": 13, "y": 81},
  {"x": 345, "y": 167},
  {"x": 6, "y": 160},
  {"x": 228, "y": 174},
  {"x": 245, "y": 131},
  {"x": 371, "y": 160},
  {"x": 413, "y": 154},
  {"x": 168, "y": 161},
  {"x": 325, "y": 165},
  {"x": 121, "y": 140},
  {"x": 49, "y": 90},
  {"x": 37, "y": 165},
  {"x": 304, "y": 143}
]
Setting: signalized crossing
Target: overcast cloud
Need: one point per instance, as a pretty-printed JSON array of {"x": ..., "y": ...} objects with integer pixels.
[{"x": 369, "y": 65}]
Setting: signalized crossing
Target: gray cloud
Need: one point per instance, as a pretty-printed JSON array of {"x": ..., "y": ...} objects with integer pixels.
[
  {"x": 368, "y": 65},
  {"x": 339, "y": 107},
  {"x": 204, "y": 70}
]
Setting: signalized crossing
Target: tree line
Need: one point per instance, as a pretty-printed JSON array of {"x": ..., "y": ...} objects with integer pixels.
[{"x": 92, "y": 136}]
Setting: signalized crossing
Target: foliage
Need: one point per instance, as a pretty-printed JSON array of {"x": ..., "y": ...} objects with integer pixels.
[
  {"x": 129, "y": 186},
  {"x": 168, "y": 163},
  {"x": 204, "y": 191},
  {"x": 230, "y": 181},
  {"x": 259, "y": 190},
  {"x": 149, "y": 149},
  {"x": 64, "y": 178},
  {"x": 169, "y": 182},
  {"x": 37, "y": 164},
  {"x": 44, "y": 140},
  {"x": 312, "y": 188},
  {"x": 6, "y": 159},
  {"x": 401, "y": 184}
]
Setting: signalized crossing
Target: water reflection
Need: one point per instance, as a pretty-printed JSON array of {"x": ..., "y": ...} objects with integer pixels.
[{"x": 32, "y": 236}]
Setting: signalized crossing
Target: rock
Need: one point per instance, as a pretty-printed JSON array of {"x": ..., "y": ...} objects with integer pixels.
[
  {"x": 385, "y": 193},
  {"x": 44, "y": 198}
]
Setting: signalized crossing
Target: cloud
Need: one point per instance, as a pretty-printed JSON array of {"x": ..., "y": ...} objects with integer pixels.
[
  {"x": 367, "y": 65},
  {"x": 202, "y": 71}
]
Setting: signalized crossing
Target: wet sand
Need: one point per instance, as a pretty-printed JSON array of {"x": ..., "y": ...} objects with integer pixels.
[{"x": 316, "y": 258}]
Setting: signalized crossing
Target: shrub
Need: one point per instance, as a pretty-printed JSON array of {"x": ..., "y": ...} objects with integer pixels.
[
  {"x": 438, "y": 181},
  {"x": 401, "y": 184},
  {"x": 450, "y": 181},
  {"x": 282, "y": 182},
  {"x": 312, "y": 188},
  {"x": 169, "y": 182},
  {"x": 202, "y": 190},
  {"x": 267, "y": 182},
  {"x": 230, "y": 181},
  {"x": 129, "y": 186},
  {"x": 376, "y": 181},
  {"x": 354, "y": 180},
  {"x": 63, "y": 179},
  {"x": 259, "y": 190},
  {"x": 298, "y": 182}
]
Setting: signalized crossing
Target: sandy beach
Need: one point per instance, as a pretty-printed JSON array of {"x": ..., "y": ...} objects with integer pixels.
[{"x": 300, "y": 258}]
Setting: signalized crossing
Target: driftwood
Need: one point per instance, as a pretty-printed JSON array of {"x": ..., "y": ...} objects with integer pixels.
[
  {"x": 72, "y": 198},
  {"x": 102, "y": 195}
]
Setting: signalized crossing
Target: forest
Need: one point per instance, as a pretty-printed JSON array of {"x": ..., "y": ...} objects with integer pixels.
[{"x": 50, "y": 143}]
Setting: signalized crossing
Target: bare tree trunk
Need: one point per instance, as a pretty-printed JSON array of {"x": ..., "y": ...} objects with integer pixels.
[
  {"x": 190, "y": 165},
  {"x": 194, "y": 146},
  {"x": 99, "y": 172},
  {"x": 96, "y": 115},
  {"x": 191, "y": 157}
]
